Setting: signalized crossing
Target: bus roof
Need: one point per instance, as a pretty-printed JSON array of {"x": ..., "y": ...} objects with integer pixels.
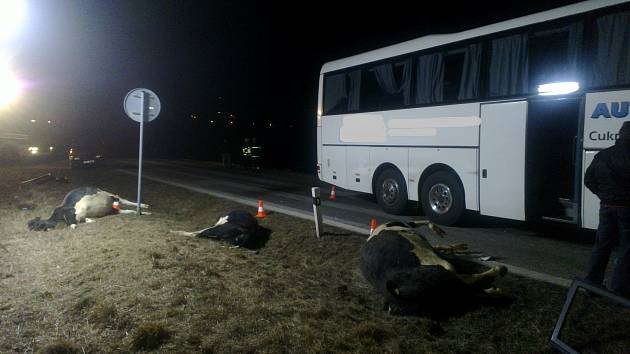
[{"x": 435, "y": 40}]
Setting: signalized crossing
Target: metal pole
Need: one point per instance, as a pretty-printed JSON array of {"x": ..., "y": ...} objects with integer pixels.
[
  {"x": 318, "y": 216},
  {"x": 142, "y": 115}
]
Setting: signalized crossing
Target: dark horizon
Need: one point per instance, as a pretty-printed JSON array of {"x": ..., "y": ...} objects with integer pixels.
[{"x": 258, "y": 61}]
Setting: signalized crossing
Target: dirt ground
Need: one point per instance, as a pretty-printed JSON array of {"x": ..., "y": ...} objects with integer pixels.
[{"x": 124, "y": 284}]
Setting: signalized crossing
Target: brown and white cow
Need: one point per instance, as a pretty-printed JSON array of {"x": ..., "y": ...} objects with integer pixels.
[{"x": 416, "y": 278}]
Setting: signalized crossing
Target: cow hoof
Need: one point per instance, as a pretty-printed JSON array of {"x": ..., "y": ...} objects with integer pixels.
[
  {"x": 502, "y": 270},
  {"x": 492, "y": 291},
  {"x": 73, "y": 226}
]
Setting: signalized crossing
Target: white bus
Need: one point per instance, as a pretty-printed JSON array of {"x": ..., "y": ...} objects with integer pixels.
[{"x": 469, "y": 121}]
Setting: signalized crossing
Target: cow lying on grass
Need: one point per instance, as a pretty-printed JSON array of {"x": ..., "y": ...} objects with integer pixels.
[
  {"x": 82, "y": 205},
  {"x": 417, "y": 279},
  {"x": 238, "y": 228}
]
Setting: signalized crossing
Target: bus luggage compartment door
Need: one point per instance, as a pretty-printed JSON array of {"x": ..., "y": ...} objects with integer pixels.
[{"x": 502, "y": 160}]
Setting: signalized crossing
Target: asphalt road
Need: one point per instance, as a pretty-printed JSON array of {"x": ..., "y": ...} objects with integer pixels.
[{"x": 555, "y": 254}]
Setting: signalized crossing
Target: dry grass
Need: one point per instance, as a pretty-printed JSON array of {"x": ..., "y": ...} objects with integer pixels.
[
  {"x": 149, "y": 335},
  {"x": 125, "y": 284}
]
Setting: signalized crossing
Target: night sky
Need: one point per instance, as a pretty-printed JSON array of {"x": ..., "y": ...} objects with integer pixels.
[{"x": 257, "y": 60}]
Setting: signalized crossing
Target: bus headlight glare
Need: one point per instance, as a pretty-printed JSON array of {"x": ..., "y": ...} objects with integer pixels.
[{"x": 558, "y": 88}]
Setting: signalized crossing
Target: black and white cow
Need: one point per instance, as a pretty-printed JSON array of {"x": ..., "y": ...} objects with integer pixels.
[
  {"x": 83, "y": 204},
  {"x": 416, "y": 278},
  {"x": 239, "y": 228}
]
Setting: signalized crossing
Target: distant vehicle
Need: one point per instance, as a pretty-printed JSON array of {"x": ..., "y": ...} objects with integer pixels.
[
  {"x": 15, "y": 147},
  {"x": 81, "y": 157},
  {"x": 502, "y": 119}
]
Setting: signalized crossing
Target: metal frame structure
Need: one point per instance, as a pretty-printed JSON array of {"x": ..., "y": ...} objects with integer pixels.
[{"x": 579, "y": 283}]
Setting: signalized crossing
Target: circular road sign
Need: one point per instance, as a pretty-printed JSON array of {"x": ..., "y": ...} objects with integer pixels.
[{"x": 133, "y": 105}]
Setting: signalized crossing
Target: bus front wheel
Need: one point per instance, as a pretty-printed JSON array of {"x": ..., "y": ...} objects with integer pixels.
[
  {"x": 442, "y": 198},
  {"x": 391, "y": 192}
]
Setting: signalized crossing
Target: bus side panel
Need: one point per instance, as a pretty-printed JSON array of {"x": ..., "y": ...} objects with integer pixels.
[
  {"x": 604, "y": 113},
  {"x": 463, "y": 161},
  {"x": 359, "y": 172},
  {"x": 398, "y": 156},
  {"x": 334, "y": 165},
  {"x": 319, "y": 152},
  {"x": 502, "y": 159},
  {"x": 590, "y": 202},
  {"x": 319, "y": 125}
]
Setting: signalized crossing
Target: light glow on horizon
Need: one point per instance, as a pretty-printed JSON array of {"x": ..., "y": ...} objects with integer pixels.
[
  {"x": 12, "y": 17},
  {"x": 10, "y": 85}
]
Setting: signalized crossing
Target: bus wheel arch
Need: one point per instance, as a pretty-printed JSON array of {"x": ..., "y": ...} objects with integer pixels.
[
  {"x": 441, "y": 194},
  {"x": 390, "y": 188}
]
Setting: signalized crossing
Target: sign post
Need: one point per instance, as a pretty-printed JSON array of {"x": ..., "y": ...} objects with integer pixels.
[
  {"x": 141, "y": 105},
  {"x": 315, "y": 193}
]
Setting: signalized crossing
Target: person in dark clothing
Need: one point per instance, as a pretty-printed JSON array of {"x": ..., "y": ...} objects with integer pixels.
[{"x": 608, "y": 177}]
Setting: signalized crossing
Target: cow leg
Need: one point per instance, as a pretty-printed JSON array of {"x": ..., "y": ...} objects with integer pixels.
[
  {"x": 494, "y": 293},
  {"x": 187, "y": 233},
  {"x": 483, "y": 280},
  {"x": 79, "y": 218},
  {"x": 451, "y": 249},
  {"x": 124, "y": 201},
  {"x": 433, "y": 227},
  {"x": 122, "y": 211}
]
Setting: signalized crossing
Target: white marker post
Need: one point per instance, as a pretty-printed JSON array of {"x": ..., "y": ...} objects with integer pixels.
[
  {"x": 318, "y": 216},
  {"x": 141, "y": 105}
]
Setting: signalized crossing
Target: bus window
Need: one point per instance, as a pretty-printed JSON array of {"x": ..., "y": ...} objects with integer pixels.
[
  {"x": 507, "y": 74},
  {"x": 335, "y": 93},
  {"x": 469, "y": 86},
  {"x": 386, "y": 86},
  {"x": 553, "y": 56},
  {"x": 341, "y": 92},
  {"x": 453, "y": 68},
  {"x": 611, "y": 66},
  {"x": 429, "y": 79}
]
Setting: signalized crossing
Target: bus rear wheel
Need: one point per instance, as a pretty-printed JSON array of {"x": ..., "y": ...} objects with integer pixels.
[
  {"x": 391, "y": 192},
  {"x": 442, "y": 198}
]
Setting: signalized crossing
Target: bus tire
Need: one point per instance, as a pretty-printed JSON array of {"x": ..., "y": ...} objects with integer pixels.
[
  {"x": 442, "y": 198},
  {"x": 391, "y": 191}
]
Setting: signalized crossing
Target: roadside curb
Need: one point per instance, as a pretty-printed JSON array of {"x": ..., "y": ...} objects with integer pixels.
[{"x": 331, "y": 221}]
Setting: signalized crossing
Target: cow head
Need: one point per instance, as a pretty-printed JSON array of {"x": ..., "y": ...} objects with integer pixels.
[{"x": 60, "y": 214}]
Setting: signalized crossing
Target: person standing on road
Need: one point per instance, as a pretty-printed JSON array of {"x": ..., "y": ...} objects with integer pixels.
[{"x": 608, "y": 177}]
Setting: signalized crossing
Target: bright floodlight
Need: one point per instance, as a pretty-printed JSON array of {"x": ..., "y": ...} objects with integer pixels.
[
  {"x": 558, "y": 88},
  {"x": 10, "y": 85},
  {"x": 12, "y": 14}
]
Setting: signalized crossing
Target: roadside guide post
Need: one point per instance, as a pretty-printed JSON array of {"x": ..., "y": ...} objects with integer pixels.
[
  {"x": 141, "y": 105},
  {"x": 318, "y": 216}
]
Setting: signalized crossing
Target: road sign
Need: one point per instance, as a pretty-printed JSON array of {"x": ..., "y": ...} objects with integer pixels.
[
  {"x": 141, "y": 105},
  {"x": 134, "y": 105}
]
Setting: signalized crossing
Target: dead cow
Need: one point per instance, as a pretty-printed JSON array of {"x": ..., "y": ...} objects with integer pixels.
[
  {"x": 415, "y": 278},
  {"x": 239, "y": 228},
  {"x": 83, "y": 204}
]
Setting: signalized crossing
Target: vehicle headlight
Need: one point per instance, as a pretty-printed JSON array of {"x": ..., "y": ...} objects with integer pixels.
[{"x": 33, "y": 149}]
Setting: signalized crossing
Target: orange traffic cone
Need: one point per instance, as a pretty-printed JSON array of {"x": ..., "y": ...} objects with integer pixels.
[
  {"x": 333, "y": 194},
  {"x": 261, "y": 211},
  {"x": 373, "y": 226}
]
